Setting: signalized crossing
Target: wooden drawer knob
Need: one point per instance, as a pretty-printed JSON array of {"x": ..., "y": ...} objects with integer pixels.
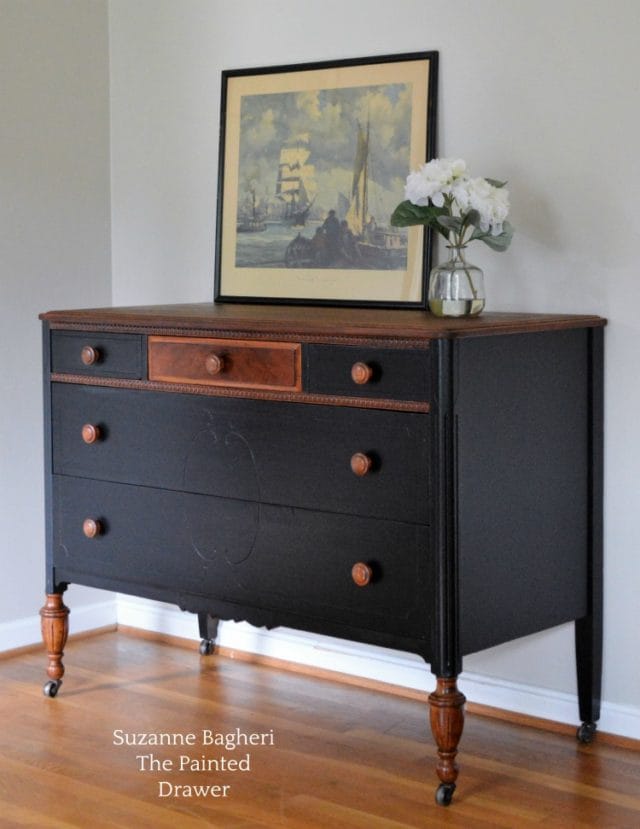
[
  {"x": 361, "y": 373},
  {"x": 91, "y": 433},
  {"x": 361, "y": 574},
  {"x": 91, "y": 527},
  {"x": 361, "y": 464},
  {"x": 90, "y": 355},
  {"x": 214, "y": 364}
]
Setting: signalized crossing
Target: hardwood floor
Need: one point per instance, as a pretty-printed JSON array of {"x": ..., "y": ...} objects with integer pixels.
[{"x": 342, "y": 756}]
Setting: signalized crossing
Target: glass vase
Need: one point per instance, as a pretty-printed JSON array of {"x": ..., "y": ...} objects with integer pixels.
[{"x": 456, "y": 288}]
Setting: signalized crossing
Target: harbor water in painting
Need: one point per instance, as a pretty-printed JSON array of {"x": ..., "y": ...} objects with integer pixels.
[{"x": 320, "y": 173}]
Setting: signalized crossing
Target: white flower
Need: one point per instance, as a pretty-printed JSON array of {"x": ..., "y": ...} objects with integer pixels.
[
  {"x": 492, "y": 203},
  {"x": 434, "y": 180},
  {"x": 469, "y": 208}
]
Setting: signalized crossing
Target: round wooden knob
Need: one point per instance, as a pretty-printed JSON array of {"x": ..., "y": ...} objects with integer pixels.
[
  {"x": 214, "y": 364},
  {"x": 89, "y": 355},
  {"x": 361, "y": 373},
  {"x": 91, "y": 527},
  {"x": 91, "y": 433},
  {"x": 360, "y": 464},
  {"x": 361, "y": 574}
]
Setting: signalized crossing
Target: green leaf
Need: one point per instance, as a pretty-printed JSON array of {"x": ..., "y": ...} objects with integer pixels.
[
  {"x": 451, "y": 223},
  {"x": 478, "y": 234},
  {"x": 498, "y": 243},
  {"x": 407, "y": 213},
  {"x": 495, "y": 183},
  {"x": 472, "y": 218}
]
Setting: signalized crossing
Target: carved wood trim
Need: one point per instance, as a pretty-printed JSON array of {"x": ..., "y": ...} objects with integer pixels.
[
  {"x": 256, "y": 394},
  {"x": 372, "y": 341}
]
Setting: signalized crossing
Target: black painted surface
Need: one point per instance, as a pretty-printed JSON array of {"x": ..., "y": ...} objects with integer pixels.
[
  {"x": 397, "y": 373},
  {"x": 588, "y": 630},
  {"x": 50, "y": 584},
  {"x": 121, "y": 355},
  {"x": 445, "y": 648},
  {"x": 291, "y": 454},
  {"x": 522, "y": 431},
  {"x": 247, "y": 553},
  {"x": 482, "y": 520}
]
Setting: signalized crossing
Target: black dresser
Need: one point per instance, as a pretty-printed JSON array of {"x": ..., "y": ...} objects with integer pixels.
[{"x": 433, "y": 486}]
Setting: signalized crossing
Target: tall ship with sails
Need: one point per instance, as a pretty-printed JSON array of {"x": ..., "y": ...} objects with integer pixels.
[
  {"x": 296, "y": 184},
  {"x": 350, "y": 237},
  {"x": 378, "y": 246}
]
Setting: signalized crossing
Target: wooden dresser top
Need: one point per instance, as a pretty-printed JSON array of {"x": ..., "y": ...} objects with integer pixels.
[{"x": 307, "y": 321}]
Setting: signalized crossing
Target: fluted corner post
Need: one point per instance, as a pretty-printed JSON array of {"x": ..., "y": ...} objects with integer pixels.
[
  {"x": 54, "y": 623},
  {"x": 446, "y": 714}
]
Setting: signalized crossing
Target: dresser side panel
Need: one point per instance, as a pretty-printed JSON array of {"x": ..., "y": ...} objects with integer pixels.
[{"x": 522, "y": 441}]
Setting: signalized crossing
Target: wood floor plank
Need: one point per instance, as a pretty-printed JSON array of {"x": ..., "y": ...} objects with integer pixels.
[
  {"x": 326, "y": 813},
  {"x": 343, "y": 757},
  {"x": 19, "y": 816}
]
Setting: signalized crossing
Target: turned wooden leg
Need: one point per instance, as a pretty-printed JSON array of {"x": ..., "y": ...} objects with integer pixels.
[
  {"x": 54, "y": 623},
  {"x": 446, "y": 713}
]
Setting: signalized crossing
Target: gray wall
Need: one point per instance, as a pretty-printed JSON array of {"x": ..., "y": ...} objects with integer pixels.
[
  {"x": 540, "y": 93},
  {"x": 54, "y": 244}
]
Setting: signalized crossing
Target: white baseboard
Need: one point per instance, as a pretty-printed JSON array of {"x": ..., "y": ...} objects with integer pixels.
[
  {"x": 547, "y": 704},
  {"x": 324, "y": 652},
  {"x": 375, "y": 663},
  {"x": 24, "y": 632}
]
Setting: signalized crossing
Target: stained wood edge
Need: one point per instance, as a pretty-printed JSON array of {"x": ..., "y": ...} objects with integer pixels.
[
  {"x": 372, "y": 341},
  {"x": 477, "y": 709},
  {"x": 253, "y": 394},
  {"x": 304, "y": 322}
]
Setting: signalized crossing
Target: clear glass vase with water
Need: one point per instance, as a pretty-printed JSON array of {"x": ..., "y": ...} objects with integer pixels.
[{"x": 456, "y": 287}]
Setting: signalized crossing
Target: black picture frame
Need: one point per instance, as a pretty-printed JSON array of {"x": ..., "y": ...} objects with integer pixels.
[{"x": 293, "y": 139}]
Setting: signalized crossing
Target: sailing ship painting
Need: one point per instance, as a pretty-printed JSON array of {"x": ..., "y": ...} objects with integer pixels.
[
  {"x": 249, "y": 216},
  {"x": 295, "y": 185},
  {"x": 327, "y": 168}
]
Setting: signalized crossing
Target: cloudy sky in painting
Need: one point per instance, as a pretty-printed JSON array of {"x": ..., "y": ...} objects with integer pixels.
[{"x": 330, "y": 117}]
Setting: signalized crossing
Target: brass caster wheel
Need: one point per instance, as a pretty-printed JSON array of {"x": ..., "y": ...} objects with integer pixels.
[
  {"x": 444, "y": 793},
  {"x": 52, "y": 687},
  {"x": 586, "y": 732}
]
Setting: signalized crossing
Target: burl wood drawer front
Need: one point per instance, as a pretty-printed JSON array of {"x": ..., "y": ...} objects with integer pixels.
[
  {"x": 99, "y": 355},
  {"x": 359, "y": 461},
  {"x": 358, "y": 371},
  {"x": 298, "y": 561},
  {"x": 235, "y": 363}
]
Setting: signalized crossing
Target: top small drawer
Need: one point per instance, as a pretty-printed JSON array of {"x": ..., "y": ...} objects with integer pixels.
[
  {"x": 355, "y": 371},
  {"x": 252, "y": 364},
  {"x": 96, "y": 354}
]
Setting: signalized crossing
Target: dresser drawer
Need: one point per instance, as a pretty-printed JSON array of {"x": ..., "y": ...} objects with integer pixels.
[
  {"x": 98, "y": 355},
  {"x": 264, "y": 451},
  {"x": 289, "y": 560},
  {"x": 234, "y": 363},
  {"x": 356, "y": 371}
]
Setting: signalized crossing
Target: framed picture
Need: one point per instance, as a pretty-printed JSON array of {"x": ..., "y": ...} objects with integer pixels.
[{"x": 313, "y": 161}]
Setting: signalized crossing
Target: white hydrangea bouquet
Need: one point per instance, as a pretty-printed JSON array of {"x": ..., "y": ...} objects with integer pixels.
[{"x": 442, "y": 195}]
